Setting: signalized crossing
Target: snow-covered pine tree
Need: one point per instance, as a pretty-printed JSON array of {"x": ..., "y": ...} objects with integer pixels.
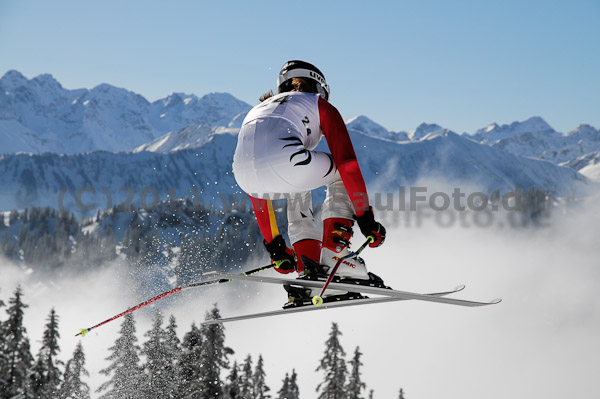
[
  {"x": 232, "y": 387},
  {"x": 125, "y": 370},
  {"x": 174, "y": 349},
  {"x": 294, "y": 391},
  {"x": 283, "y": 393},
  {"x": 289, "y": 389},
  {"x": 355, "y": 385},
  {"x": 46, "y": 376},
  {"x": 371, "y": 392},
  {"x": 3, "y": 358},
  {"x": 213, "y": 357},
  {"x": 401, "y": 394},
  {"x": 333, "y": 365},
  {"x": 16, "y": 350},
  {"x": 73, "y": 386},
  {"x": 158, "y": 366},
  {"x": 247, "y": 380},
  {"x": 260, "y": 386},
  {"x": 189, "y": 363}
]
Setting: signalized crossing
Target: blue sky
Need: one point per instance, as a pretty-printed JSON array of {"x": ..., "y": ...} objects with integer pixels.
[{"x": 461, "y": 64}]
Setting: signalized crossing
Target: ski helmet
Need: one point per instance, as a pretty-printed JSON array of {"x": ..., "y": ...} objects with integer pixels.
[{"x": 302, "y": 69}]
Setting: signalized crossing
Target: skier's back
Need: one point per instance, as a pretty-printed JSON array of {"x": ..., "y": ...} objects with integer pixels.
[{"x": 275, "y": 158}]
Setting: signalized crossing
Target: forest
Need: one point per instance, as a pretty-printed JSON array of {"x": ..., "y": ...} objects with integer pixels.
[{"x": 198, "y": 366}]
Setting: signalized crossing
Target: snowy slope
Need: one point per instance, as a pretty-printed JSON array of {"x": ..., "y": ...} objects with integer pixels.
[
  {"x": 39, "y": 115},
  {"x": 456, "y": 159},
  {"x": 103, "y": 179},
  {"x": 186, "y": 138},
  {"x": 588, "y": 165}
]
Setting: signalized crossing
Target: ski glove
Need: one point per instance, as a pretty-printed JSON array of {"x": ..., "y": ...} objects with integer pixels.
[
  {"x": 370, "y": 228},
  {"x": 281, "y": 255}
]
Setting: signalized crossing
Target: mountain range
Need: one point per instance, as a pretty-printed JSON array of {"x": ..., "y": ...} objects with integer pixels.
[
  {"x": 39, "y": 115},
  {"x": 106, "y": 145}
]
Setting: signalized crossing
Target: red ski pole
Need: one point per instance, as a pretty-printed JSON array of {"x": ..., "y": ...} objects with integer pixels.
[{"x": 84, "y": 331}]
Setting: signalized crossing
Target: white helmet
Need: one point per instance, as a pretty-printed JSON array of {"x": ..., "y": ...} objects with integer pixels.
[{"x": 301, "y": 69}]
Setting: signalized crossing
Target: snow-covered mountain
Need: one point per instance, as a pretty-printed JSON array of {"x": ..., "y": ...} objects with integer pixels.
[
  {"x": 494, "y": 133},
  {"x": 203, "y": 173},
  {"x": 194, "y": 136},
  {"x": 366, "y": 126},
  {"x": 454, "y": 159},
  {"x": 534, "y": 138},
  {"x": 183, "y": 146},
  {"x": 423, "y": 130},
  {"x": 82, "y": 183},
  {"x": 39, "y": 115}
]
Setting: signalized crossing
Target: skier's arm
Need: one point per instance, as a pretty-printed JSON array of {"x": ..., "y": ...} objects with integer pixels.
[{"x": 338, "y": 139}]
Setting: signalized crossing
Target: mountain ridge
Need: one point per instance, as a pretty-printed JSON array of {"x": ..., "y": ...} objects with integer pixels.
[{"x": 39, "y": 115}]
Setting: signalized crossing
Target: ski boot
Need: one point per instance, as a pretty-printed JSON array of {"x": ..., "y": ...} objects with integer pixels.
[
  {"x": 337, "y": 233},
  {"x": 306, "y": 249}
]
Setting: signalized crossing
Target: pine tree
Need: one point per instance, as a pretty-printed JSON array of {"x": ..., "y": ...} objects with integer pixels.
[
  {"x": 371, "y": 394},
  {"x": 189, "y": 363},
  {"x": 17, "y": 350},
  {"x": 284, "y": 392},
  {"x": 232, "y": 387},
  {"x": 355, "y": 384},
  {"x": 46, "y": 375},
  {"x": 158, "y": 367},
  {"x": 73, "y": 387},
  {"x": 213, "y": 358},
  {"x": 247, "y": 380},
  {"x": 334, "y": 367},
  {"x": 294, "y": 391},
  {"x": 401, "y": 394},
  {"x": 173, "y": 346},
  {"x": 260, "y": 386},
  {"x": 3, "y": 357},
  {"x": 289, "y": 389},
  {"x": 125, "y": 371}
]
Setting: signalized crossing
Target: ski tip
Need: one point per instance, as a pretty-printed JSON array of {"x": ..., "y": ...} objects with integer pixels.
[
  {"x": 82, "y": 332},
  {"x": 317, "y": 300},
  {"x": 495, "y": 301},
  {"x": 460, "y": 288}
]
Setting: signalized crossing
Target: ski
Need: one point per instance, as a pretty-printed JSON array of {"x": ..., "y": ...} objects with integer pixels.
[
  {"x": 354, "y": 288},
  {"x": 326, "y": 305}
]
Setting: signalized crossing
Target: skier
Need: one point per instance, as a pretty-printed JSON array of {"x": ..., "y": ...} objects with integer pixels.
[{"x": 275, "y": 158}]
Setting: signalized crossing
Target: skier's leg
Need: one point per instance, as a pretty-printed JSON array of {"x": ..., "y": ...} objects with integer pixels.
[
  {"x": 337, "y": 232},
  {"x": 302, "y": 229},
  {"x": 281, "y": 255},
  {"x": 265, "y": 216}
]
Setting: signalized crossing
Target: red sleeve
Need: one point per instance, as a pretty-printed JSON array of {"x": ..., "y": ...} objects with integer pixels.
[{"x": 338, "y": 139}]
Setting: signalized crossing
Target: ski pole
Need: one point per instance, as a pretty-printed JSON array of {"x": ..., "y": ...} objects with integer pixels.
[
  {"x": 84, "y": 331},
  {"x": 317, "y": 300}
]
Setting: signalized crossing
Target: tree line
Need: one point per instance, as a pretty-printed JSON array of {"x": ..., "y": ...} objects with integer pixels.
[
  {"x": 188, "y": 237},
  {"x": 199, "y": 366}
]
